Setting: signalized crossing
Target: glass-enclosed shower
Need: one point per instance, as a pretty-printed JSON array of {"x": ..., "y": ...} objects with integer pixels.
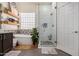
[{"x": 47, "y": 24}]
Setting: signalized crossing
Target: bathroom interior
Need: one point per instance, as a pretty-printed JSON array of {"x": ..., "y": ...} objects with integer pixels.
[
  {"x": 36, "y": 28},
  {"x": 19, "y": 18}
]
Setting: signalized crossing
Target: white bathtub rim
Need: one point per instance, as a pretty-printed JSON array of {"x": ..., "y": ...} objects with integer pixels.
[{"x": 21, "y": 35}]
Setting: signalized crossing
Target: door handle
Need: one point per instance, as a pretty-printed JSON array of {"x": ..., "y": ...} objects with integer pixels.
[{"x": 75, "y": 31}]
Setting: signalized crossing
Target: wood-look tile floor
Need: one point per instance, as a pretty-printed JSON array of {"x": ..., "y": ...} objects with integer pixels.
[
  {"x": 37, "y": 52},
  {"x": 24, "y": 47},
  {"x": 29, "y": 50}
]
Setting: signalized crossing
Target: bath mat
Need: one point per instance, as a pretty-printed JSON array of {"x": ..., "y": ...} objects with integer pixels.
[
  {"x": 13, "y": 53},
  {"x": 48, "y": 50}
]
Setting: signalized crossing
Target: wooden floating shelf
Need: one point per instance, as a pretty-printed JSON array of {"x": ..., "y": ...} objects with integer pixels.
[{"x": 8, "y": 22}]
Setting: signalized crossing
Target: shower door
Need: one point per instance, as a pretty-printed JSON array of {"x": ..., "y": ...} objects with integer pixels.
[{"x": 47, "y": 25}]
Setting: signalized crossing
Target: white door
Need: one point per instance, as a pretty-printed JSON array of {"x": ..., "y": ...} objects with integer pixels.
[{"x": 67, "y": 28}]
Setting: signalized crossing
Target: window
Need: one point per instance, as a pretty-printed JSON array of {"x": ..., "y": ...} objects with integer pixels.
[{"x": 27, "y": 20}]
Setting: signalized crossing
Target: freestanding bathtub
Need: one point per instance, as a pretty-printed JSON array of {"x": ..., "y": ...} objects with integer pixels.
[{"x": 23, "y": 39}]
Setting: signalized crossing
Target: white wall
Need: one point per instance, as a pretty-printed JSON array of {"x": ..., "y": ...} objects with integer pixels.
[
  {"x": 4, "y": 4},
  {"x": 26, "y": 7}
]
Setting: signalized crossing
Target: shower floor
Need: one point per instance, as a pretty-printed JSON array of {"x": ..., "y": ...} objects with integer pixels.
[{"x": 46, "y": 43}]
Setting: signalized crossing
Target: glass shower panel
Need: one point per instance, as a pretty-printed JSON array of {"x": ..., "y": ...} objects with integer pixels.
[{"x": 47, "y": 27}]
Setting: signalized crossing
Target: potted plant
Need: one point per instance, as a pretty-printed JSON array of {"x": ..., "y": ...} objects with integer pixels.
[{"x": 35, "y": 37}]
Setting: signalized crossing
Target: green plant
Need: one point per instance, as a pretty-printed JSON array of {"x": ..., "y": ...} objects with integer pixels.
[{"x": 35, "y": 36}]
